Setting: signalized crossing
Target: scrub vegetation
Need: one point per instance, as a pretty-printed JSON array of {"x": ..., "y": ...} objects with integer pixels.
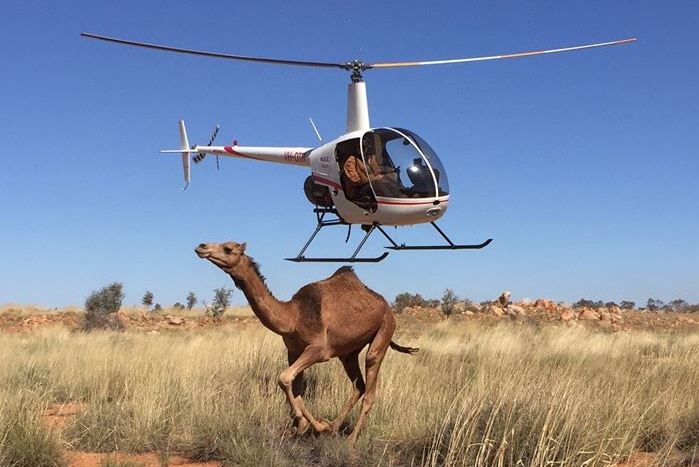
[{"x": 479, "y": 393}]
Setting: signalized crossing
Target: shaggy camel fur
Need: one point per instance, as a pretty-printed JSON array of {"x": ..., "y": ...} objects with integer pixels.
[{"x": 335, "y": 317}]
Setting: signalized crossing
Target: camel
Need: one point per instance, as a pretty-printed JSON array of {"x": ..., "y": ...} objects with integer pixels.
[{"x": 334, "y": 317}]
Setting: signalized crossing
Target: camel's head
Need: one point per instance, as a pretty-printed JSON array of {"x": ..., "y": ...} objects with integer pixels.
[{"x": 224, "y": 255}]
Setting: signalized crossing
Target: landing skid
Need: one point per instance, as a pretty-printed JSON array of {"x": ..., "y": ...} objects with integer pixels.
[
  {"x": 450, "y": 245},
  {"x": 322, "y": 222},
  {"x": 369, "y": 229}
]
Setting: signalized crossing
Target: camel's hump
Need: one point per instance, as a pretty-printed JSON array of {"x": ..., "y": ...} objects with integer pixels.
[{"x": 344, "y": 270}]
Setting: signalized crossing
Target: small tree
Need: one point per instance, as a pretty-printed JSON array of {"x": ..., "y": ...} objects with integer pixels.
[
  {"x": 101, "y": 307},
  {"x": 654, "y": 304},
  {"x": 222, "y": 300},
  {"x": 449, "y": 300},
  {"x": 401, "y": 302},
  {"x": 147, "y": 299},
  {"x": 585, "y": 303},
  {"x": 191, "y": 300},
  {"x": 405, "y": 300},
  {"x": 678, "y": 306}
]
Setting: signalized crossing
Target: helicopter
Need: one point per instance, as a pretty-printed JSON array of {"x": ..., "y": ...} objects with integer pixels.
[{"x": 374, "y": 177}]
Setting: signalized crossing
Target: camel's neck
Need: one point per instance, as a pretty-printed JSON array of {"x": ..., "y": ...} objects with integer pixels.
[{"x": 273, "y": 314}]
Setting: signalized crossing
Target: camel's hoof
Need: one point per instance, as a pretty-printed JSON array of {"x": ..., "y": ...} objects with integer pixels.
[
  {"x": 333, "y": 428},
  {"x": 325, "y": 427},
  {"x": 301, "y": 426}
]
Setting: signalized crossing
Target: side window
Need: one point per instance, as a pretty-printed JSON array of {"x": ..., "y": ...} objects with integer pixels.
[{"x": 343, "y": 151}]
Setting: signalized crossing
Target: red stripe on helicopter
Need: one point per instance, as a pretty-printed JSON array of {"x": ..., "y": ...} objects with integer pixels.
[
  {"x": 383, "y": 200},
  {"x": 410, "y": 202},
  {"x": 230, "y": 150},
  {"x": 325, "y": 181}
]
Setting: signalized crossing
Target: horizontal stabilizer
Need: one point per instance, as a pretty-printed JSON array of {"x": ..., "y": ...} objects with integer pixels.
[{"x": 178, "y": 151}]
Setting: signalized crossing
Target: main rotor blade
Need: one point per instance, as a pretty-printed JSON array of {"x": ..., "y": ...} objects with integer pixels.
[
  {"x": 355, "y": 65},
  {"x": 213, "y": 54},
  {"x": 496, "y": 57}
]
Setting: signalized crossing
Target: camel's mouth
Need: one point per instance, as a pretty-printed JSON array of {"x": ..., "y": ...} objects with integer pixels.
[{"x": 204, "y": 252}]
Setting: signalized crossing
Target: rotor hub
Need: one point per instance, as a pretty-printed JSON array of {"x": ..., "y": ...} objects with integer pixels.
[{"x": 356, "y": 67}]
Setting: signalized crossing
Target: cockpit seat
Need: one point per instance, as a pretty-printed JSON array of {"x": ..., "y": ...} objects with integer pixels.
[{"x": 420, "y": 177}]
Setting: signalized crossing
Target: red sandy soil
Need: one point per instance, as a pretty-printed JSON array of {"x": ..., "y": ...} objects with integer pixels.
[
  {"x": 59, "y": 415},
  {"x": 86, "y": 459}
]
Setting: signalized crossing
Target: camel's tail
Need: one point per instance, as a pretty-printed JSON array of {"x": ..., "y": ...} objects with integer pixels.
[{"x": 400, "y": 348}]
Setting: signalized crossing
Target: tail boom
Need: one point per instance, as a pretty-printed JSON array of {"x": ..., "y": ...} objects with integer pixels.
[{"x": 282, "y": 155}]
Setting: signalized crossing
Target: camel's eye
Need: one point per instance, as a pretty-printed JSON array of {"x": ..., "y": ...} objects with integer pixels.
[{"x": 227, "y": 250}]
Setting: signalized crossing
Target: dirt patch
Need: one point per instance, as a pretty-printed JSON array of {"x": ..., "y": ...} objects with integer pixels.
[
  {"x": 90, "y": 459},
  {"x": 18, "y": 320},
  {"x": 61, "y": 414}
]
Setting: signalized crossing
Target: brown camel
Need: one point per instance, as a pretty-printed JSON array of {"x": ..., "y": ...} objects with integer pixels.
[{"x": 335, "y": 317}]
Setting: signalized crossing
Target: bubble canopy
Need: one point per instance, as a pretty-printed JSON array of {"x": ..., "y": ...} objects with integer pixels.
[{"x": 407, "y": 160}]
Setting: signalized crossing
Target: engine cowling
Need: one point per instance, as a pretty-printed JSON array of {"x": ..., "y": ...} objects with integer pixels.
[{"x": 318, "y": 195}]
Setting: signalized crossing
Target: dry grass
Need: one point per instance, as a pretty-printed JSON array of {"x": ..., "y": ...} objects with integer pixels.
[{"x": 478, "y": 395}]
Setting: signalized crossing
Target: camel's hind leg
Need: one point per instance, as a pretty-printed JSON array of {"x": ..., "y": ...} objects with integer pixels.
[
  {"x": 374, "y": 356},
  {"x": 351, "y": 365}
]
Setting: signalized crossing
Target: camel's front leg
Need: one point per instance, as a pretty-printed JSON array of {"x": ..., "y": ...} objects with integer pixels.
[
  {"x": 308, "y": 357},
  {"x": 298, "y": 389}
]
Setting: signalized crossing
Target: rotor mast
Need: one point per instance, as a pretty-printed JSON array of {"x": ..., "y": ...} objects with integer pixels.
[
  {"x": 357, "y": 107},
  {"x": 357, "y": 102}
]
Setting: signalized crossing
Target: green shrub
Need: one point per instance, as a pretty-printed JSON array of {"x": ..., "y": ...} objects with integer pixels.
[
  {"x": 191, "y": 300},
  {"x": 449, "y": 300},
  {"x": 407, "y": 299},
  {"x": 222, "y": 300},
  {"x": 101, "y": 308}
]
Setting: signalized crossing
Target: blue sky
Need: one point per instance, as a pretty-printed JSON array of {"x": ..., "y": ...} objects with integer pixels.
[{"x": 581, "y": 166}]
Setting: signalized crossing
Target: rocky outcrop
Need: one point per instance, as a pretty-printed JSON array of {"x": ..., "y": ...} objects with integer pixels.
[{"x": 549, "y": 310}]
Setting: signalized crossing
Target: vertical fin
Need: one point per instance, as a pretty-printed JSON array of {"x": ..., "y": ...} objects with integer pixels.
[{"x": 184, "y": 146}]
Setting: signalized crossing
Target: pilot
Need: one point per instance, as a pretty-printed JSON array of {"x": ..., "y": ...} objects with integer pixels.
[{"x": 359, "y": 176}]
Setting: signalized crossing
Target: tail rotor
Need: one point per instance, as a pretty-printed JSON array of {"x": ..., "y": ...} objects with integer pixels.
[
  {"x": 186, "y": 151},
  {"x": 201, "y": 155}
]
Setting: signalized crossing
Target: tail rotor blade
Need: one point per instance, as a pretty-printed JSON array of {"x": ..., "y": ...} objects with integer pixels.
[
  {"x": 199, "y": 157},
  {"x": 213, "y": 136}
]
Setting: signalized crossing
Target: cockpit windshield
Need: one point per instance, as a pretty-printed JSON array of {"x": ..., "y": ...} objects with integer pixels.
[{"x": 406, "y": 161}]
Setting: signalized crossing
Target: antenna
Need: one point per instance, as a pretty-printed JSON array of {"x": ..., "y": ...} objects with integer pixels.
[{"x": 315, "y": 129}]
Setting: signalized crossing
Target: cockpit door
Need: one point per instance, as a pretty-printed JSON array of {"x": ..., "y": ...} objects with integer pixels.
[{"x": 407, "y": 161}]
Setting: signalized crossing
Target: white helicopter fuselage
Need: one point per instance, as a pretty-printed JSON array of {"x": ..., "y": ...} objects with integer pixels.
[
  {"x": 407, "y": 205},
  {"x": 326, "y": 172}
]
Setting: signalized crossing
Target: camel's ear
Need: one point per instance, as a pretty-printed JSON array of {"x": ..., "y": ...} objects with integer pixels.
[{"x": 242, "y": 247}]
